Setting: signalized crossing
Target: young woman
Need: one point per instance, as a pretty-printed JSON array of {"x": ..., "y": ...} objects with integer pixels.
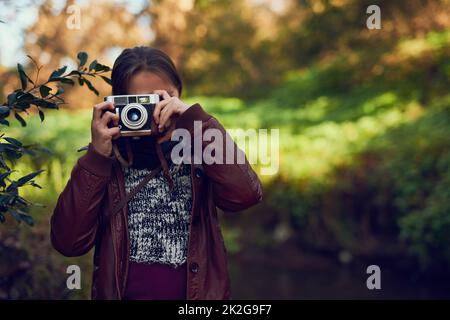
[{"x": 166, "y": 242}]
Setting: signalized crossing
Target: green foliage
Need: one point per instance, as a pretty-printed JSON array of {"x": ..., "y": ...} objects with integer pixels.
[
  {"x": 363, "y": 167},
  {"x": 363, "y": 117},
  {"x": 20, "y": 101},
  {"x": 418, "y": 168}
]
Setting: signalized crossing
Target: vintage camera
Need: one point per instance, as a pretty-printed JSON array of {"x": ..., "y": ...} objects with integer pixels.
[{"x": 135, "y": 113}]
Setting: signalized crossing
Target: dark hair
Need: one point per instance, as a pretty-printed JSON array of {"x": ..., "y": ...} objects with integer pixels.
[{"x": 136, "y": 59}]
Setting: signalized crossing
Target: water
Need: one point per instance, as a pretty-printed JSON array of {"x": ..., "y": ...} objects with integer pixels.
[{"x": 256, "y": 280}]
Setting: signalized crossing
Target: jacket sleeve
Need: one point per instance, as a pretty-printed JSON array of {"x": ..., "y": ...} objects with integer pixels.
[
  {"x": 75, "y": 219},
  {"x": 235, "y": 185}
]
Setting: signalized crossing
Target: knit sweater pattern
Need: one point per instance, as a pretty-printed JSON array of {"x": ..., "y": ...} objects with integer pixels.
[{"x": 158, "y": 218}]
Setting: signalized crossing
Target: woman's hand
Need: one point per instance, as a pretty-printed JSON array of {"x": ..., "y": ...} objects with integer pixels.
[
  {"x": 101, "y": 134},
  {"x": 167, "y": 109}
]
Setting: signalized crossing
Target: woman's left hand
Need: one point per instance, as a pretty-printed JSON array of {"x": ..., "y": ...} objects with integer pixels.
[{"x": 165, "y": 110}]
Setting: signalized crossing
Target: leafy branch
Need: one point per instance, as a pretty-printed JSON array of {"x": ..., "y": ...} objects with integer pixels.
[{"x": 42, "y": 96}]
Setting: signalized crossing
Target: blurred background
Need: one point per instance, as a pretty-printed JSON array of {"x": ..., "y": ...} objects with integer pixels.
[{"x": 364, "y": 119}]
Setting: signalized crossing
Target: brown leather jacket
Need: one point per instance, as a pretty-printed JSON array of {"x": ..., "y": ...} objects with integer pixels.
[{"x": 97, "y": 184}]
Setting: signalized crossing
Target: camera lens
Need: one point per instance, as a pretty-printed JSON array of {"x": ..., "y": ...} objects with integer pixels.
[{"x": 134, "y": 115}]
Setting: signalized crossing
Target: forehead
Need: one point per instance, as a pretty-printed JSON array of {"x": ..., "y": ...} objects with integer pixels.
[{"x": 146, "y": 82}]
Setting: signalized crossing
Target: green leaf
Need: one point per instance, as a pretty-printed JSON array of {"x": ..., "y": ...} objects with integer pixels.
[
  {"x": 67, "y": 81},
  {"x": 28, "y": 177},
  {"x": 23, "y": 76},
  {"x": 63, "y": 80},
  {"x": 3, "y": 176},
  {"x": 102, "y": 67},
  {"x": 91, "y": 87},
  {"x": 74, "y": 73},
  {"x": 107, "y": 80},
  {"x": 45, "y": 104},
  {"x": 41, "y": 115},
  {"x": 24, "y": 99},
  {"x": 82, "y": 56},
  {"x": 20, "y": 216},
  {"x": 57, "y": 73},
  {"x": 93, "y": 65},
  {"x": 12, "y": 98},
  {"x": 4, "y": 111},
  {"x": 23, "y": 105},
  {"x": 3, "y": 163},
  {"x": 34, "y": 184},
  {"x": 44, "y": 91},
  {"x": 26, "y": 150},
  {"x": 25, "y": 96},
  {"x": 4, "y": 147},
  {"x": 15, "y": 215},
  {"x": 13, "y": 141},
  {"x": 27, "y": 219},
  {"x": 20, "y": 119},
  {"x": 13, "y": 154}
]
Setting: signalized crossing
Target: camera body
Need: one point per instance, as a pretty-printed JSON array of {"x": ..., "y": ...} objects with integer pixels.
[{"x": 135, "y": 113}]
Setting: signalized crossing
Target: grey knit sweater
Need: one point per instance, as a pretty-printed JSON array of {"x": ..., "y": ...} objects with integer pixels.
[{"x": 158, "y": 219}]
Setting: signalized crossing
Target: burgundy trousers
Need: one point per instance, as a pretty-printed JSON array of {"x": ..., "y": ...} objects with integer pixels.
[{"x": 155, "y": 282}]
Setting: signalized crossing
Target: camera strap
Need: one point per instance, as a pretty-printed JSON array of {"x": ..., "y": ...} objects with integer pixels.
[
  {"x": 153, "y": 173},
  {"x": 119, "y": 157}
]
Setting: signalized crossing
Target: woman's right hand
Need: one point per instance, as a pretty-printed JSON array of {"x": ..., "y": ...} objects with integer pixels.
[{"x": 101, "y": 134}]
